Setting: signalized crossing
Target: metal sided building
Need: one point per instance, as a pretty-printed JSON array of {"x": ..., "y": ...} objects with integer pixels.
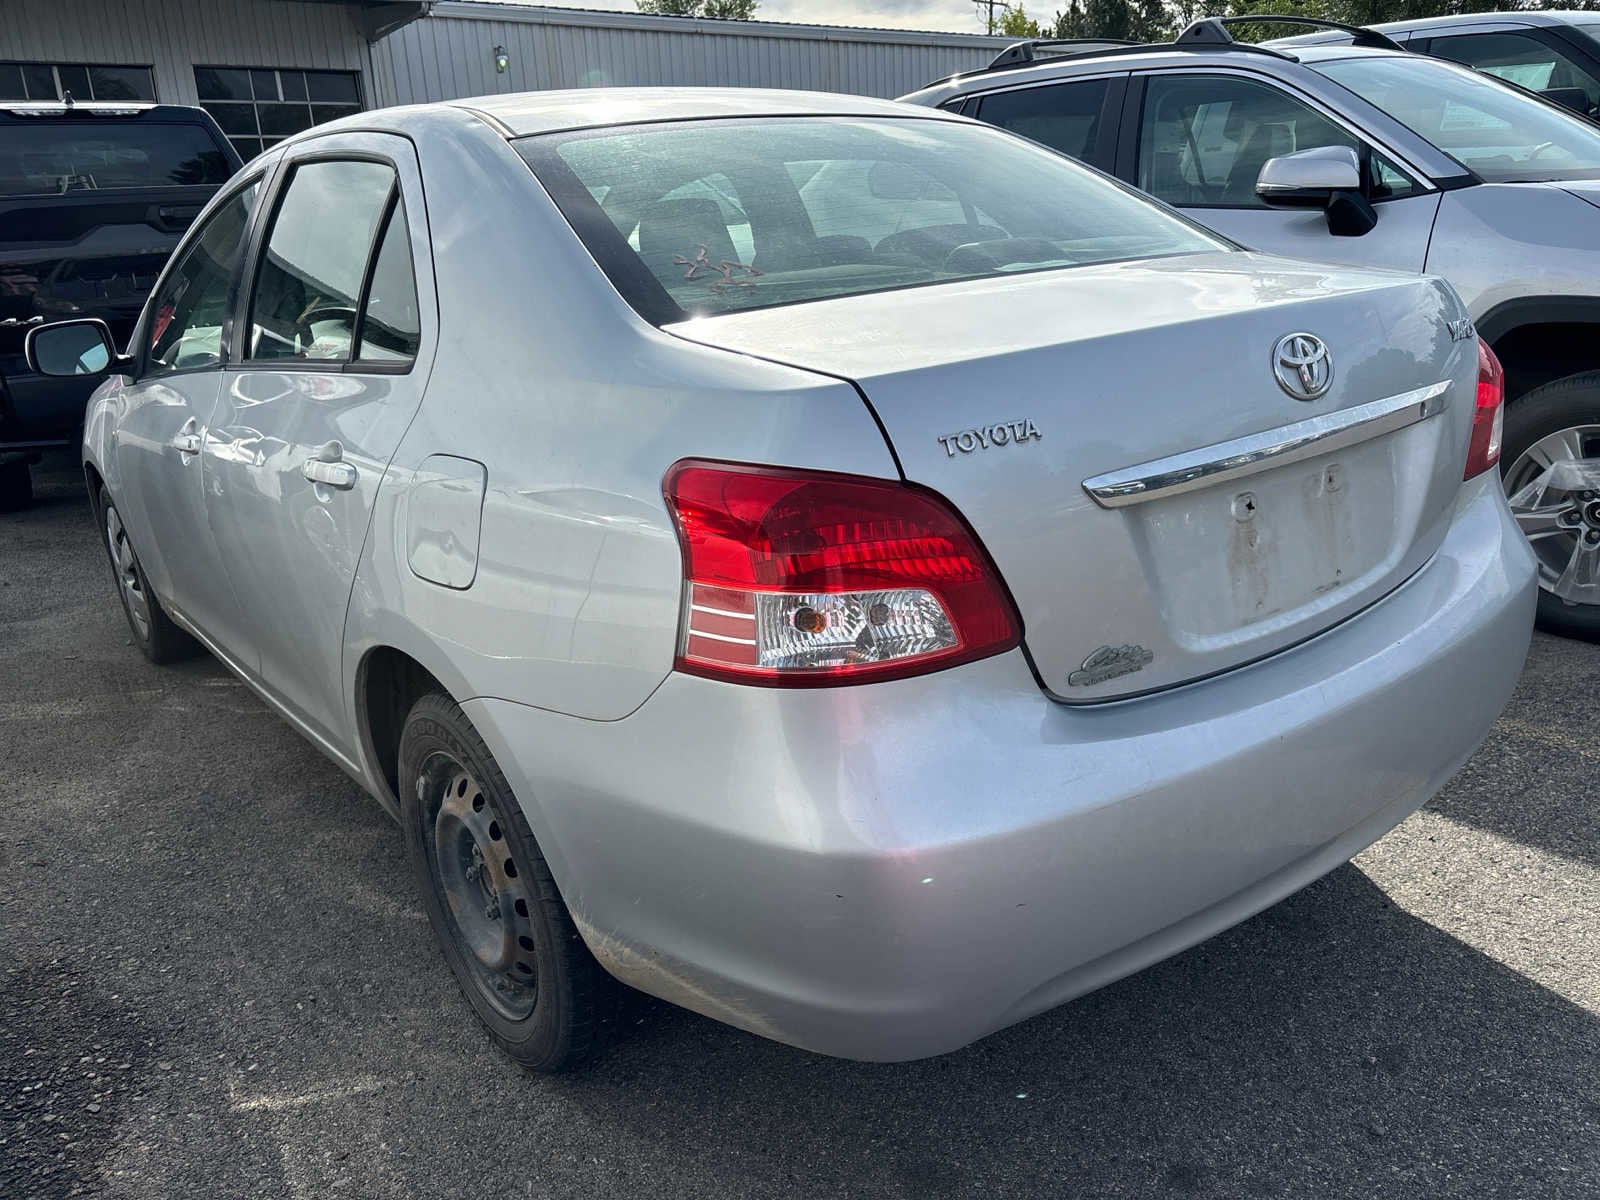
[
  {"x": 477, "y": 48},
  {"x": 269, "y": 68},
  {"x": 263, "y": 68}
]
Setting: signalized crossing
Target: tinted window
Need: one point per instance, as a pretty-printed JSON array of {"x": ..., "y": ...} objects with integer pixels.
[
  {"x": 834, "y": 207},
  {"x": 1065, "y": 117},
  {"x": 1203, "y": 139},
  {"x": 308, "y": 285},
  {"x": 1499, "y": 133},
  {"x": 53, "y": 157},
  {"x": 390, "y": 329},
  {"x": 187, "y": 316},
  {"x": 1519, "y": 59}
]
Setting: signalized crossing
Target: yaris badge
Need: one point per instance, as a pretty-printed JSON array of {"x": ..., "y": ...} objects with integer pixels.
[
  {"x": 1303, "y": 365},
  {"x": 1110, "y": 662}
]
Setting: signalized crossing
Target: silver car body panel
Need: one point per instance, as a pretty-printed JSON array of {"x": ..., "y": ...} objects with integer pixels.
[{"x": 882, "y": 871}]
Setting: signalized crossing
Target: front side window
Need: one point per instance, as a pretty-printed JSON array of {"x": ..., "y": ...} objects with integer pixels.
[
  {"x": 833, "y": 207},
  {"x": 313, "y": 284},
  {"x": 1063, "y": 116},
  {"x": 55, "y": 157},
  {"x": 1497, "y": 132},
  {"x": 1519, "y": 59},
  {"x": 1203, "y": 139},
  {"x": 188, "y": 314}
]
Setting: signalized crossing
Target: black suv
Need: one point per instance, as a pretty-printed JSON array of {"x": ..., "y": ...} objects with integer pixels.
[{"x": 93, "y": 197}]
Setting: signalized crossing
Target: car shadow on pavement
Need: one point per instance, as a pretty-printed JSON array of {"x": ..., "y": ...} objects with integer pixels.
[
  {"x": 1544, "y": 747},
  {"x": 1333, "y": 1045}
]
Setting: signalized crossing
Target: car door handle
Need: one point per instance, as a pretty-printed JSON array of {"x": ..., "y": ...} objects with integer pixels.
[
  {"x": 339, "y": 475},
  {"x": 187, "y": 443}
]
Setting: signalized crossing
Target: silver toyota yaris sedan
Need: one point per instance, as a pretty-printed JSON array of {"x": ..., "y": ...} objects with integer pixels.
[{"x": 831, "y": 564}]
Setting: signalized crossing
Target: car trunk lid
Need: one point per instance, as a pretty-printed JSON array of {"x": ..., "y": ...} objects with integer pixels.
[{"x": 1160, "y": 505}]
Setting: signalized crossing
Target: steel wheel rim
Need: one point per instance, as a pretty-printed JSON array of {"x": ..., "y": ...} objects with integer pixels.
[
  {"x": 126, "y": 565},
  {"x": 486, "y": 895}
]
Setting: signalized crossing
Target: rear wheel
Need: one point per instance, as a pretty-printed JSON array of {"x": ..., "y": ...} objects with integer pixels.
[
  {"x": 490, "y": 898},
  {"x": 153, "y": 631},
  {"x": 16, "y": 486},
  {"x": 1551, "y": 467}
]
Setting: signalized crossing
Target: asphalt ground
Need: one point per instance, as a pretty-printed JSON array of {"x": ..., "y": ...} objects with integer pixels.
[{"x": 215, "y": 982}]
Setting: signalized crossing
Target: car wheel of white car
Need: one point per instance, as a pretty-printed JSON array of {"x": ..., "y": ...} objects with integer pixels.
[
  {"x": 153, "y": 631},
  {"x": 490, "y": 897},
  {"x": 1551, "y": 467}
]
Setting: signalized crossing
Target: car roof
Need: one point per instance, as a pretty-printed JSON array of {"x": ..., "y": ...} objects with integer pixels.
[
  {"x": 525, "y": 113},
  {"x": 1531, "y": 17},
  {"x": 1544, "y": 18}
]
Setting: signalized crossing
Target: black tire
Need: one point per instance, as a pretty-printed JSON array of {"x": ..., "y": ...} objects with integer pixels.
[
  {"x": 16, "y": 486},
  {"x": 1563, "y": 404},
  {"x": 530, "y": 979},
  {"x": 157, "y": 637}
]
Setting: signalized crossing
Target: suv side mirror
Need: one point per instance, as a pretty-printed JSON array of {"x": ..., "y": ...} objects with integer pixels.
[
  {"x": 82, "y": 347},
  {"x": 1326, "y": 177}
]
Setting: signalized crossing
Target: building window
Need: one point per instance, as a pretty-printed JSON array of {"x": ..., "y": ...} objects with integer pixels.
[
  {"x": 259, "y": 107},
  {"x": 52, "y": 81}
]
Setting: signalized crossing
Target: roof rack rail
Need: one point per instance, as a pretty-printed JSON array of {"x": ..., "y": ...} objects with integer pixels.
[
  {"x": 1359, "y": 35},
  {"x": 1204, "y": 33},
  {"x": 1019, "y": 53}
]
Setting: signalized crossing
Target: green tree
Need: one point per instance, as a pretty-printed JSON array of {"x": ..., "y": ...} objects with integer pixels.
[
  {"x": 722, "y": 10},
  {"x": 1017, "y": 23}
]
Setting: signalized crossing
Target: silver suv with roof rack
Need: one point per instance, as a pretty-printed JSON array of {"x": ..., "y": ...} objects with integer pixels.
[{"x": 1359, "y": 151}]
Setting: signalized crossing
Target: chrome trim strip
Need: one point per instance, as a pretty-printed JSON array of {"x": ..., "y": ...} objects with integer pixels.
[{"x": 1256, "y": 452}]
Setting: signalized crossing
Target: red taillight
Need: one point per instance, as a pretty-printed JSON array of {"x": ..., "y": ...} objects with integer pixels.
[
  {"x": 1488, "y": 419},
  {"x": 804, "y": 578}
]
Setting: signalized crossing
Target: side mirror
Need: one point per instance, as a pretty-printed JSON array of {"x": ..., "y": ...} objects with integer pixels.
[
  {"x": 1327, "y": 177},
  {"x": 1574, "y": 98},
  {"x": 82, "y": 347}
]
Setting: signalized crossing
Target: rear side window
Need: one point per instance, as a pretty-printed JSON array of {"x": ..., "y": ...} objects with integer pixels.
[
  {"x": 57, "y": 157},
  {"x": 706, "y": 217},
  {"x": 334, "y": 219},
  {"x": 1063, "y": 116}
]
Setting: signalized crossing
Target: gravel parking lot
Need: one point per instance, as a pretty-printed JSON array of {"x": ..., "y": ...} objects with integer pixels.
[{"x": 217, "y": 982}]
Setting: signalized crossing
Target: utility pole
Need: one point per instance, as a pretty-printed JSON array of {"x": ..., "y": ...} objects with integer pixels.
[{"x": 988, "y": 7}]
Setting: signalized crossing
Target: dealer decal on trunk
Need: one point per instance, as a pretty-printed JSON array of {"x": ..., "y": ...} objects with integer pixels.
[{"x": 1010, "y": 433}]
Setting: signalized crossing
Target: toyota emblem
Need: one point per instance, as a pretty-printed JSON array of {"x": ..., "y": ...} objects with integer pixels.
[{"x": 1303, "y": 366}]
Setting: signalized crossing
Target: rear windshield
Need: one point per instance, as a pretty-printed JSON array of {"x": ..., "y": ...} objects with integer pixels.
[
  {"x": 54, "y": 157},
  {"x": 707, "y": 217},
  {"x": 1500, "y": 134}
]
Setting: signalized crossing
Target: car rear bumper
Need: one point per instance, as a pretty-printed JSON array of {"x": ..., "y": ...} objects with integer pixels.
[{"x": 893, "y": 871}]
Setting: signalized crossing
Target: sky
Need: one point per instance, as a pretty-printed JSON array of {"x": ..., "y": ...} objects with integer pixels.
[{"x": 957, "y": 16}]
